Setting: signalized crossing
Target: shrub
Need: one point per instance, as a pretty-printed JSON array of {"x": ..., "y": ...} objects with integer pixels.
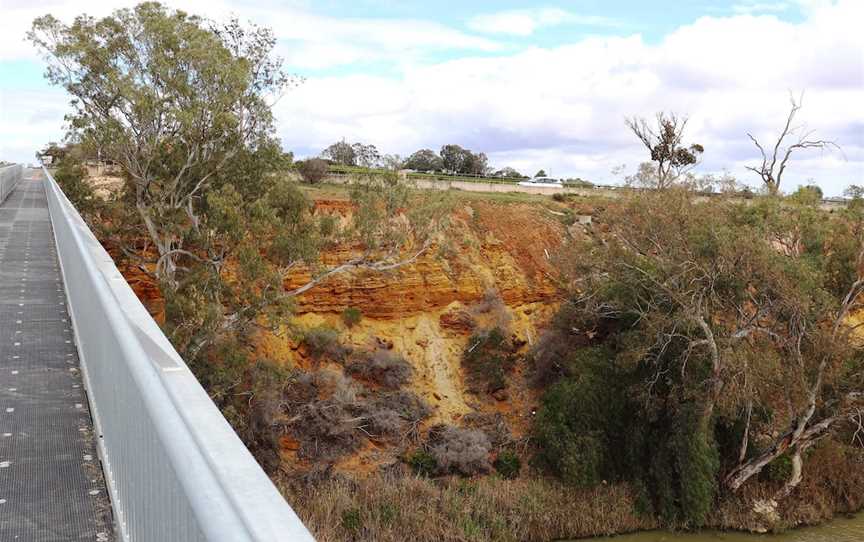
[
  {"x": 778, "y": 470},
  {"x": 313, "y": 170},
  {"x": 323, "y": 342},
  {"x": 493, "y": 304},
  {"x": 488, "y": 359},
  {"x": 336, "y": 417},
  {"x": 459, "y": 451},
  {"x": 559, "y": 197},
  {"x": 71, "y": 177},
  {"x": 351, "y": 316},
  {"x": 407, "y": 404},
  {"x": 423, "y": 463},
  {"x": 508, "y": 464},
  {"x": 493, "y": 424},
  {"x": 381, "y": 367},
  {"x": 571, "y": 426},
  {"x": 680, "y": 476}
]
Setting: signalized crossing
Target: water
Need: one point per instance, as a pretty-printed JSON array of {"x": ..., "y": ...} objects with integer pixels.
[{"x": 838, "y": 530}]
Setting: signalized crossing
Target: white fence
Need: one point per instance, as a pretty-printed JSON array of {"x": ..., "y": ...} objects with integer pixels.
[
  {"x": 175, "y": 469},
  {"x": 9, "y": 177}
]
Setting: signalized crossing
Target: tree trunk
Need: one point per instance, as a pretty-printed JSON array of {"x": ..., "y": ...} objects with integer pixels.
[
  {"x": 795, "y": 438},
  {"x": 168, "y": 269},
  {"x": 794, "y": 478}
]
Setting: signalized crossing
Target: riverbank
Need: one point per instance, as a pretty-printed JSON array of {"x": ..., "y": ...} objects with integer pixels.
[
  {"x": 385, "y": 507},
  {"x": 841, "y": 529}
]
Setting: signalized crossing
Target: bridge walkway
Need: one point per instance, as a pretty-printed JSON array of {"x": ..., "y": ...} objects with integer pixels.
[{"x": 51, "y": 483}]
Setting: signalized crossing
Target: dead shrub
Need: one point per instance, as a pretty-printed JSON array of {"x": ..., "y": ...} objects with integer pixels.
[
  {"x": 492, "y": 304},
  {"x": 459, "y": 451},
  {"x": 551, "y": 355},
  {"x": 322, "y": 342},
  {"x": 492, "y": 424},
  {"x": 382, "y": 367},
  {"x": 341, "y": 416}
]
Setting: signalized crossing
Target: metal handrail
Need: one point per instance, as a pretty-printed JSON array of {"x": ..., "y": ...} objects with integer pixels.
[
  {"x": 175, "y": 469},
  {"x": 9, "y": 177}
]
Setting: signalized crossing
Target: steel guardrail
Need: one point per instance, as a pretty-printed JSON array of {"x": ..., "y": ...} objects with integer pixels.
[
  {"x": 175, "y": 468},
  {"x": 9, "y": 177}
]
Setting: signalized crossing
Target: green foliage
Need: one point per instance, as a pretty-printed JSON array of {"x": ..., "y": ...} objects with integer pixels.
[
  {"x": 351, "y": 316},
  {"x": 779, "y": 470},
  {"x": 638, "y": 392},
  {"x": 692, "y": 472},
  {"x": 578, "y": 183},
  {"x": 810, "y": 194},
  {"x": 576, "y": 424},
  {"x": 70, "y": 176},
  {"x": 424, "y": 160},
  {"x": 508, "y": 464},
  {"x": 340, "y": 153},
  {"x": 488, "y": 358},
  {"x": 423, "y": 463},
  {"x": 352, "y": 521},
  {"x": 455, "y": 159}
]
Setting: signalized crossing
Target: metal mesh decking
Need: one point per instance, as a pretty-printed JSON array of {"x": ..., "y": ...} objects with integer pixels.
[{"x": 51, "y": 483}]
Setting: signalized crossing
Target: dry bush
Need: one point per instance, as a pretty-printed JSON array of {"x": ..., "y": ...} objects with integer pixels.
[
  {"x": 341, "y": 416},
  {"x": 382, "y": 367},
  {"x": 492, "y": 424},
  {"x": 493, "y": 305},
  {"x": 322, "y": 342},
  {"x": 459, "y": 451},
  {"x": 328, "y": 426},
  {"x": 396, "y": 414}
]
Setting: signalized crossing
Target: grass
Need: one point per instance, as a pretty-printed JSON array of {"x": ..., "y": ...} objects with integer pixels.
[
  {"x": 333, "y": 191},
  {"x": 384, "y": 508}
]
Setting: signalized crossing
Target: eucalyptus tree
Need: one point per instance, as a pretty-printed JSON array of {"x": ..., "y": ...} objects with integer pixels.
[
  {"x": 173, "y": 99},
  {"x": 341, "y": 153},
  {"x": 664, "y": 140},
  {"x": 424, "y": 160},
  {"x": 183, "y": 106}
]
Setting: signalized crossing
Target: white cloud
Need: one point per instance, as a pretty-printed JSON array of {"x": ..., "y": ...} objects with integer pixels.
[
  {"x": 30, "y": 119},
  {"x": 306, "y": 39},
  {"x": 524, "y": 22},
  {"x": 562, "y": 109},
  {"x": 755, "y": 6}
]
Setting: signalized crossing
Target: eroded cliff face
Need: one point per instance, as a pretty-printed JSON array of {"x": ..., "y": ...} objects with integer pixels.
[
  {"x": 495, "y": 265},
  {"x": 492, "y": 253},
  {"x": 505, "y": 247}
]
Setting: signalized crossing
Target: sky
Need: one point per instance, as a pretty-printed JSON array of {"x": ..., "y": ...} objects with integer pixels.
[{"x": 532, "y": 84}]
